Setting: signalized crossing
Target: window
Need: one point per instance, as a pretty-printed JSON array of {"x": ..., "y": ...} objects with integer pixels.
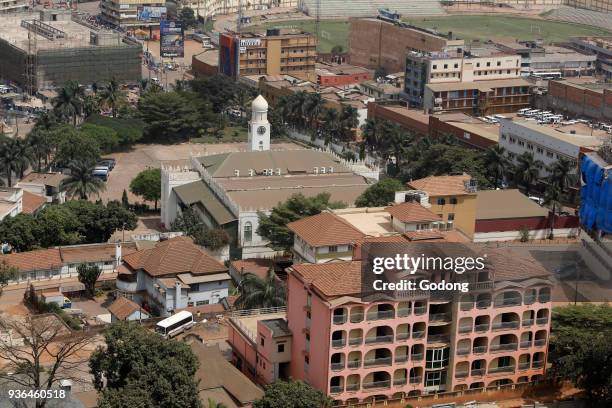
[
  {"x": 445, "y": 66},
  {"x": 488, "y": 64},
  {"x": 435, "y": 378},
  {"x": 540, "y": 150},
  {"x": 248, "y": 231},
  {"x": 434, "y": 67},
  {"x": 202, "y": 302},
  {"x": 189, "y": 304},
  {"x": 499, "y": 63},
  {"x": 332, "y": 248},
  {"x": 451, "y": 217},
  {"x": 441, "y": 201},
  {"x": 437, "y": 358},
  {"x": 262, "y": 341},
  {"x": 456, "y": 65},
  {"x": 280, "y": 348},
  {"x": 453, "y": 200}
]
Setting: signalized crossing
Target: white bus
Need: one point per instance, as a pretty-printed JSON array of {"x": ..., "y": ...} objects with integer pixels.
[{"x": 175, "y": 324}]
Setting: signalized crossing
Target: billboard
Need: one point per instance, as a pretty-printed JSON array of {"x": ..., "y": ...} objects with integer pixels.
[
  {"x": 148, "y": 13},
  {"x": 172, "y": 39},
  {"x": 228, "y": 55}
]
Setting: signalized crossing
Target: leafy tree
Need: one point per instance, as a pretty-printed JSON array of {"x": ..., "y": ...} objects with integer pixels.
[
  {"x": 111, "y": 96},
  {"x": 561, "y": 174},
  {"x": 14, "y": 157},
  {"x": 72, "y": 146},
  {"x": 58, "y": 226},
  {"x": 527, "y": 170},
  {"x": 219, "y": 90},
  {"x": 132, "y": 396},
  {"x": 125, "y": 202},
  {"x": 581, "y": 351},
  {"x": 22, "y": 232},
  {"x": 188, "y": 17},
  {"x": 39, "y": 141},
  {"x": 107, "y": 138},
  {"x": 133, "y": 358},
  {"x": 82, "y": 183},
  {"x": 273, "y": 227},
  {"x": 380, "y": 194},
  {"x": 68, "y": 104},
  {"x": 256, "y": 292},
  {"x": 129, "y": 130},
  {"x": 337, "y": 49},
  {"x": 88, "y": 276},
  {"x": 97, "y": 222},
  {"x": 147, "y": 184},
  {"x": 497, "y": 164},
  {"x": 191, "y": 224},
  {"x": 292, "y": 394},
  {"x": 7, "y": 273}
]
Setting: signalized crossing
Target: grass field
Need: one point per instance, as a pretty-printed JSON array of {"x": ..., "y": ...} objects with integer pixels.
[
  {"x": 230, "y": 135},
  {"x": 335, "y": 32}
]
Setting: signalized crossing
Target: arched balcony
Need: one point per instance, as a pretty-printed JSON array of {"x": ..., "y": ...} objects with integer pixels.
[
  {"x": 540, "y": 338},
  {"x": 505, "y": 364},
  {"x": 506, "y": 321},
  {"x": 353, "y": 382},
  {"x": 357, "y": 313},
  {"x": 463, "y": 347},
  {"x": 476, "y": 385},
  {"x": 401, "y": 354},
  {"x": 355, "y": 337},
  {"x": 526, "y": 338},
  {"x": 338, "y": 338},
  {"x": 354, "y": 359},
  {"x": 528, "y": 318},
  {"x": 337, "y": 361},
  {"x": 340, "y": 315},
  {"x": 507, "y": 299},
  {"x": 379, "y": 334},
  {"x": 482, "y": 323},
  {"x": 524, "y": 362},
  {"x": 462, "y": 369},
  {"x": 377, "y": 379},
  {"x": 378, "y": 357},
  {"x": 404, "y": 309},
  {"x": 480, "y": 345},
  {"x": 466, "y": 325},
  {"x": 418, "y": 330},
  {"x": 381, "y": 311},
  {"x": 544, "y": 295},
  {"x": 416, "y": 375},
  {"x": 336, "y": 385},
  {"x": 420, "y": 307},
  {"x": 542, "y": 317},
  {"x": 478, "y": 368},
  {"x": 402, "y": 332},
  {"x": 417, "y": 352},
  {"x": 483, "y": 300},
  {"x": 466, "y": 302},
  {"x": 504, "y": 342},
  {"x": 531, "y": 296},
  {"x": 500, "y": 382},
  {"x": 400, "y": 377}
]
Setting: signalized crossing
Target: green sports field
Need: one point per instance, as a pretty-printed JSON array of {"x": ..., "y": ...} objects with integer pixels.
[{"x": 335, "y": 32}]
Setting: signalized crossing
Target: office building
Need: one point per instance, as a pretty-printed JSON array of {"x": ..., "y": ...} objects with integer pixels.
[
  {"x": 601, "y": 47},
  {"x": 133, "y": 14}
]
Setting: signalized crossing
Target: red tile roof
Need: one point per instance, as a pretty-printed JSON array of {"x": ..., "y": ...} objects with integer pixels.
[
  {"x": 32, "y": 202},
  {"x": 333, "y": 278},
  {"x": 442, "y": 185},
  {"x": 257, "y": 266},
  {"x": 412, "y": 213},
  {"x": 38, "y": 260},
  {"x": 325, "y": 229},
  {"x": 123, "y": 307},
  {"x": 174, "y": 256},
  {"x": 424, "y": 235},
  {"x": 359, "y": 243}
]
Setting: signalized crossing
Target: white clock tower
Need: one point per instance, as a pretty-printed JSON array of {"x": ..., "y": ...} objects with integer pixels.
[{"x": 259, "y": 127}]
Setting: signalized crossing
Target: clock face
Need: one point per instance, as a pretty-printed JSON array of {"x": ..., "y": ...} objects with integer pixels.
[{"x": 261, "y": 130}]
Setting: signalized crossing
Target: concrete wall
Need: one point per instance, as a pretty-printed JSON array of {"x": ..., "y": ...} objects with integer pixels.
[{"x": 578, "y": 101}]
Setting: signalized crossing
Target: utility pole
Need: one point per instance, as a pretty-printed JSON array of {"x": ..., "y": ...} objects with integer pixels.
[
  {"x": 239, "y": 17},
  {"x": 318, "y": 21}
]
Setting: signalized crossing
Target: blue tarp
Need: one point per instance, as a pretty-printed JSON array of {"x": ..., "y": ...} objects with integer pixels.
[{"x": 595, "y": 197}]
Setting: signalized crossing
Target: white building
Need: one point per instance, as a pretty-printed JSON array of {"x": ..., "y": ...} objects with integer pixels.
[
  {"x": 546, "y": 143},
  {"x": 172, "y": 275},
  {"x": 229, "y": 190},
  {"x": 11, "y": 202}
]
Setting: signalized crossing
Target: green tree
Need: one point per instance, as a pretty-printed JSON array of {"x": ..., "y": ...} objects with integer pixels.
[
  {"x": 581, "y": 352},
  {"x": 82, "y": 183},
  {"x": 72, "y": 146},
  {"x": 88, "y": 276},
  {"x": 21, "y": 232},
  {"x": 188, "y": 17},
  {"x": 497, "y": 165},
  {"x": 133, "y": 358},
  {"x": 132, "y": 396},
  {"x": 273, "y": 227},
  {"x": 552, "y": 199},
  {"x": 562, "y": 174},
  {"x": 219, "y": 90},
  {"x": 129, "y": 130},
  {"x": 337, "y": 49},
  {"x": 106, "y": 138},
  {"x": 39, "y": 141},
  {"x": 292, "y": 394},
  {"x": 10, "y": 161},
  {"x": 58, "y": 226},
  {"x": 7, "y": 273},
  {"x": 68, "y": 104},
  {"x": 192, "y": 225},
  {"x": 97, "y": 222},
  {"x": 125, "y": 202},
  {"x": 527, "y": 170},
  {"x": 111, "y": 96},
  {"x": 147, "y": 184},
  {"x": 256, "y": 292},
  {"x": 380, "y": 194}
]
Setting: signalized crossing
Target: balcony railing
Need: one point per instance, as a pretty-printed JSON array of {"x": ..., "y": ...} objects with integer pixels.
[
  {"x": 463, "y": 351},
  {"x": 379, "y": 339},
  {"x": 465, "y": 306},
  {"x": 510, "y": 301},
  {"x": 381, "y": 315},
  {"x": 419, "y": 310},
  {"x": 416, "y": 357},
  {"x": 478, "y": 372},
  {"x": 525, "y": 344},
  {"x": 505, "y": 325},
  {"x": 504, "y": 347},
  {"x": 483, "y": 304},
  {"x": 524, "y": 366},
  {"x": 338, "y": 343},
  {"x": 340, "y": 319},
  {"x": 401, "y": 359},
  {"x": 539, "y": 343},
  {"x": 537, "y": 364},
  {"x": 354, "y": 364},
  {"x": 402, "y": 336},
  {"x": 440, "y": 317},
  {"x": 352, "y": 387},
  {"x": 355, "y": 341},
  {"x": 377, "y": 384},
  {"x": 465, "y": 329},
  {"x": 504, "y": 369},
  {"x": 529, "y": 300},
  {"x": 415, "y": 380},
  {"x": 418, "y": 334},
  {"x": 544, "y": 298},
  {"x": 400, "y": 381},
  {"x": 403, "y": 312},
  {"x": 461, "y": 374},
  {"x": 438, "y": 338},
  {"x": 527, "y": 322},
  {"x": 377, "y": 362},
  {"x": 542, "y": 320},
  {"x": 479, "y": 349},
  {"x": 337, "y": 389},
  {"x": 356, "y": 318},
  {"x": 481, "y": 327},
  {"x": 337, "y": 366}
]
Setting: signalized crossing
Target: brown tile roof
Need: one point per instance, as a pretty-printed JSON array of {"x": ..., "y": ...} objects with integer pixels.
[
  {"x": 94, "y": 252},
  {"x": 38, "y": 260},
  {"x": 257, "y": 266},
  {"x": 325, "y": 229},
  {"x": 509, "y": 265},
  {"x": 412, "y": 213},
  {"x": 32, "y": 202},
  {"x": 174, "y": 256},
  {"x": 333, "y": 278},
  {"x": 359, "y": 243},
  {"x": 48, "y": 179},
  {"x": 123, "y": 307},
  {"x": 441, "y": 185},
  {"x": 424, "y": 235}
]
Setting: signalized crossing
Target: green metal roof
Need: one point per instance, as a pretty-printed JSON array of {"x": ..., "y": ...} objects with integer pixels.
[{"x": 199, "y": 193}]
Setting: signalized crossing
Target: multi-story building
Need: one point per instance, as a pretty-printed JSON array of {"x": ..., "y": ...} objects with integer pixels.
[
  {"x": 592, "y": 100},
  {"x": 457, "y": 67},
  {"x": 332, "y": 74},
  {"x": 212, "y": 8},
  {"x": 412, "y": 343},
  {"x": 13, "y": 6},
  {"x": 377, "y": 43},
  {"x": 479, "y": 98},
  {"x": 131, "y": 14},
  {"x": 601, "y": 47},
  {"x": 273, "y": 53}
]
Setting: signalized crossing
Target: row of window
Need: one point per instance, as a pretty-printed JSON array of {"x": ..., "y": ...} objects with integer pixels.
[{"x": 539, "y": 150}]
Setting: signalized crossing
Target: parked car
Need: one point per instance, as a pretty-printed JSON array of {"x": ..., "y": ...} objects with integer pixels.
[
  {"x": 110, "y": 163},
  {"x": 101, "y": 173}
]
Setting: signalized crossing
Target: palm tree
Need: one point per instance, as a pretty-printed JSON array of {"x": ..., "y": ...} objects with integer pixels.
[
  {"x": 24, "y": 154},
  {"x": 561, "y": 174},
  {"x": 527, "y": 170},
  {"x": 111, "y": 96},
  {"x": 241, "y": 99},
  {"x": 349, "y": 120},
  {"x": 82, "y": 183},
  {"x": 256, "y": 292},
  {"x": 313, "y": 107},
  {"x": 370, "y": 132},
  {"x": 39, "y": 141},
  {"x": 214, "y": 404},
  {"x": 497, "y": 164},
  {"x": 552, "y": 199},
  {"x": 69, "y": 101},
  {"x": 11, "y": 160},
  {"x": 331, "y": 124}
]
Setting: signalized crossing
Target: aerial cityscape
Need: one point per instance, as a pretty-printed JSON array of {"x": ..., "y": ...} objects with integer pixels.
[{"x": 306, "y": 203}]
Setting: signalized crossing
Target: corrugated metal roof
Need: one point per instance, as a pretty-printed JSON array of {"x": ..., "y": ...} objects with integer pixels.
[{"x": 199, "y": 192}]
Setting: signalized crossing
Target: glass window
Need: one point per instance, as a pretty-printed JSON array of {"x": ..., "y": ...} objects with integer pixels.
[
  {"x": 333, "y": 248},
  {"x": 441, "y": 201},
  {"x": 248, "y": 231},
  {"x": 281, "y": 348}
]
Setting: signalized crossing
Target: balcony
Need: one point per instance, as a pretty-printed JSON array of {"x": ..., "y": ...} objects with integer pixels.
[
  {"x": 404, "y": 312},
  {"x": 379, "y": 339},
  {"x": 483, "y": 304},
  {"x": 544, "y": 298},
  {"x": 400, "y": 381},
  {"x": 340, "y": 319},
  {"x": 402, "y": 336},
  {"x": 465, "y": 329},
  {"x": 336, "y": 389},
  {"x": 465, "y": 306},
  {"x": 382, "y": 315},
  {"x": 338, "y": 343},
  {"x": 440, "y": 317},
  {"x": 525, "y": 344},
  {"x": 401, "y": 359},
  {"x": 415, "y": 380},
  {"x": 463, "y": 351},
  {"x": 505, "y": 325},
  {"x": 507, "y": 302},
  {"x": 356, "y": 341},
  {"x": 356, "y": 318},
  {"x": 529, "y": 300},
  {"x": 479, "y": 349},
  {"x": 504, "y": 347},
  {"x": 527, "y": 322},
  {"x": 377, "y": 384},
  {"x": 539, "y": 343},
  {"x": 352, "y": 387},
  {"x": 541, "y": 320},
  {"x": 481, "y": 327},
  {"x": 461, "y": 374},
  {"x": 438, "y": 338},
  {"x": 418, "y": 335},
  {"x": 375, "y": 362},
  {"x": 337, "y": 366},
  {"x": 478, "y": 372},
  {"x": 537, "y": 364},
  {"x": 419, "y": 310},
  {"x": 523, "y": 366},
  {"x": 354, "y": 364},
  {"x": 504, "y": 369}
]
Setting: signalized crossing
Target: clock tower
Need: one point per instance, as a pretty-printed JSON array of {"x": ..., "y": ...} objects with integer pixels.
[{"x": 259, "y": 127}]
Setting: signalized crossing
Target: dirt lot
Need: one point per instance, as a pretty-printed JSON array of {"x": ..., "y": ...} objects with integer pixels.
[{"x": 142, "y": 157}]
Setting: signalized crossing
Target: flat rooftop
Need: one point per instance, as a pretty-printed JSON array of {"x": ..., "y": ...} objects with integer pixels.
[
  {"x": 504, "y": 204},
  {"x": 76, "y": 35},
  {"x": 563, "y": 133},
  {"x": 371, "y": 221},
  {"x": 471, "y": 124},
  {"x": 248, "y": 324}
]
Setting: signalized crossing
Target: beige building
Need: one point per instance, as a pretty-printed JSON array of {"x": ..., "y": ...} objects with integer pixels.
[
  {"x": 11, "y": 6},
  {"x": 129, "y": 13}
]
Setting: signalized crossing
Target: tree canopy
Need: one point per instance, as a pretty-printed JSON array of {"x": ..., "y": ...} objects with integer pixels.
[
  {"x": 379, "y": 194},
  {"x": 147, "y": 184},
  {"x": 273, "y": 227},
  {"x": 135, "y": 365},
  {"x": 292, "y": 394},
  {"x": 192, "y": 225}
]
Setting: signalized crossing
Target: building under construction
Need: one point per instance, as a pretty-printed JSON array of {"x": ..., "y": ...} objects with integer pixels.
[{"x": 43, "y": 50}]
